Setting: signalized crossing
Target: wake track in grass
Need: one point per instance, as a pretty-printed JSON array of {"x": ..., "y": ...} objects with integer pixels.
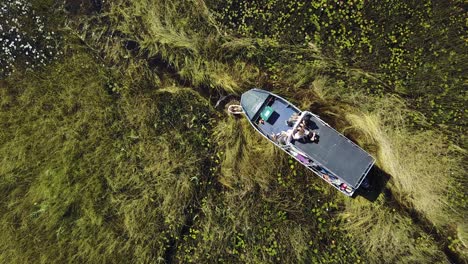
[{"x": 428, "y": 227}]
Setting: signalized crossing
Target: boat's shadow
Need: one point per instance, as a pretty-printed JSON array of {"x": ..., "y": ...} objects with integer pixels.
[{"x": 377, "y": 179}]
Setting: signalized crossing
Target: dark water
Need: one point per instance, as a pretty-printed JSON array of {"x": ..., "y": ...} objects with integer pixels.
[{"x": 28, "y": 39}]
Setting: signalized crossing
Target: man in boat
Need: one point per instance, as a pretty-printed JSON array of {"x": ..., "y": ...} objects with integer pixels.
[
  {"x": 302, "y": 131},
  {"x": 284, "y": 137},
  {"x": 292, "y": 120}
]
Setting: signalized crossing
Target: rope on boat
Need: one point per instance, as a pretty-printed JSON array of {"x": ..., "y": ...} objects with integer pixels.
[{"x": 235, "y": 109}]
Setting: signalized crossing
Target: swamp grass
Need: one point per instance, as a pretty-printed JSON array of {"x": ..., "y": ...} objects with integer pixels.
[
  {"x": 416, "y": 166},
  {"x": 113, "y": 155},
  {"x": 417, "y": 48},
  {"x": 94, "y": 189},
  {"x": 264, "y": 213}
]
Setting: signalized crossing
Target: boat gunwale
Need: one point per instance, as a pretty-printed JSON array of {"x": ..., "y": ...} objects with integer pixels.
[{"x": 293, "y": 147}]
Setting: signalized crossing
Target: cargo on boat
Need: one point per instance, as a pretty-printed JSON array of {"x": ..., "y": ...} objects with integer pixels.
[{"x": 307, "y": 138}]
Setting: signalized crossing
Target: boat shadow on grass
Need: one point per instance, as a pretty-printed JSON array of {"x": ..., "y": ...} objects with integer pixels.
[{"x": 377, "y": 179}]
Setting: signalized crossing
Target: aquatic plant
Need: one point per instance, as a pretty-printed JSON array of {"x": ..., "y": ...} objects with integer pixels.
[
  {"x": 27, "y": 40},
  {"x": 115, "y": 153}
]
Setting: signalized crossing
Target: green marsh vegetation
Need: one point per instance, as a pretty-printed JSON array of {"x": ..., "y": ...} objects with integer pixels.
[{"x": 112, "y": 152}]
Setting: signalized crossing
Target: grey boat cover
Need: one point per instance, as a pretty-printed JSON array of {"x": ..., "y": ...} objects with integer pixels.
[
  {"x": 252, "y": 101},
  {"x": 337, "y": 154}
]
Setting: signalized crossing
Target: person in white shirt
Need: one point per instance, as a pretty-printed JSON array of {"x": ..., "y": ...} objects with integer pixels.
[{"x": 303, "y": 133}]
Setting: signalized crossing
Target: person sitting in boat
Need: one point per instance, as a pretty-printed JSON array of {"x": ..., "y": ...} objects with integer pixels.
[
  {"x": 283, "y": 137},
  {"x": 303, "y": 133},
  {"x": 293, "y": 119}
]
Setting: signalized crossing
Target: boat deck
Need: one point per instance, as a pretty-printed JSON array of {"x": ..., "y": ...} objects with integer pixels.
[
  {"x": 333, "y": 151},
  {"x": 336, "y": 153},
  {"x": 277, "y": 121}
]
